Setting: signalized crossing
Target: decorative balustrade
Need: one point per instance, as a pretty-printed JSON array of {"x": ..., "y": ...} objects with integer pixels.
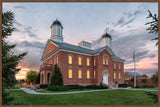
[{"x": 46, "y": 67}]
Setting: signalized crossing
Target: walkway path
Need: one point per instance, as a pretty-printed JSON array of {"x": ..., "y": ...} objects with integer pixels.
[{"x": 29, "y": 91}]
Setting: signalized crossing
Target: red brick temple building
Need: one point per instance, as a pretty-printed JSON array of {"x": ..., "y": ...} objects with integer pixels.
[{"x": 80, "y": 65}]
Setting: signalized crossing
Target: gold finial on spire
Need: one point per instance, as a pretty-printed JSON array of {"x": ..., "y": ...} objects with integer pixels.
[{"x": 106, "y": 29}]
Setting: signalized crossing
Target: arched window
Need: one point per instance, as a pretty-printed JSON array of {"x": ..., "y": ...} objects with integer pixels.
[
  {"x": 105, "y": 60},
  {"x": 94, "y": 61},
  {"x": 42, "y": 78},
  {"x": 48, "y": 78},
  {"x": 114, "y": 65}
]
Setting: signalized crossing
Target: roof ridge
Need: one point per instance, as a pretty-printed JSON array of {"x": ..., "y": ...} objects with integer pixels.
[{"x": 72, "y": 45}]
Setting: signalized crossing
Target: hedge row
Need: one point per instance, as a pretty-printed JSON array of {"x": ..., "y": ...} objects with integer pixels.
[
  {"x": 43, "y": 85},
  {"x": 70, "y": 87},
  {"x": 58, "y": 88},
  {"x": 149, "y": 86},
  {"x": 123, "y": 85}
]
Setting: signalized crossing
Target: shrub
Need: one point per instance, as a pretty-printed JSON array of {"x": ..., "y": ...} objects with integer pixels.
[
  {"x": 144, "y": 86},
  {"x": 150, "y": 86},
  {"x": 102, "y": 87},
  {"x": 94, "y": 86},
  {"x": 123, "y": 85},
  {"x": 144, "y": 80},
  {"x": 137, "y": 87},
  {"x": 74, "y": 86},
  {"x": 58, "y": 88},
  {"x": 43, "y": 85},
  {"x": 140, "y": 86}
]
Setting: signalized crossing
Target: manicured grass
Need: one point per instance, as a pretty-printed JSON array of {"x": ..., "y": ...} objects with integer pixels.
[
  {"x": 46, "y": 91},
  {"x": 155, "y": 88},
  {"x": 15, "y": 87},
  {"x": 18, "y": 86},
  {"x": 110, "y": 97}
]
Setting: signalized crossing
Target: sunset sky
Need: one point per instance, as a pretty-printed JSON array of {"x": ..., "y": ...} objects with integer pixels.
[{"x": 85, "y": 21}]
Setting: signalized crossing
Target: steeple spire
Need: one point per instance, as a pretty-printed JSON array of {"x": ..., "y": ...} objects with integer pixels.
[{"x": 106, "y": 30}]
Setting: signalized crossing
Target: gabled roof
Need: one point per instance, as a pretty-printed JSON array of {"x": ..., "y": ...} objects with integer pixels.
[
  {"x": 133, "y": 73},
  {"x": 66, "y": 46},
  {"x": 71, "y": 47}
]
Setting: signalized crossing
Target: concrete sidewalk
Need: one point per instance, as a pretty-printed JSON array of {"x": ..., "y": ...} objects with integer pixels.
[{"x": 29, "y": 91}]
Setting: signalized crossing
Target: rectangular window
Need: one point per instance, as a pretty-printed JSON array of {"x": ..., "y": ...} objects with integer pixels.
[
  {"x": 88, "y": 61},
  {"x": 114, "y": 66},
  {"x": 79, "y": 74},
  {"x": 119, "y": 75},
  {"x": 94, "y": 74},
  {"x": 88, "y": 74},
  {"x": 114, "y": 75},
  {"x": 79, "y": 61},
  {"x": 119, "y": 66},
  {"x": 70, "y": 59},
  {"x": 94, "y": 62},
  {"x": 70, "y": 73}
]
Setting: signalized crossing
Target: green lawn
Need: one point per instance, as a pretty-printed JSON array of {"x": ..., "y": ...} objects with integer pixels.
[
  {"x": 155, "y": 88},
  {"x": 46, "y": 91},
  {"x": 111, "y": 97}
]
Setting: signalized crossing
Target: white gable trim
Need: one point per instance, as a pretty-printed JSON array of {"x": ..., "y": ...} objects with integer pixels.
[
  {"x": 51, "y": 55},
  {"x": 53, "y": 43},
  {"x": 44, "y": 52},
  {"x": 107, "y": 50}
]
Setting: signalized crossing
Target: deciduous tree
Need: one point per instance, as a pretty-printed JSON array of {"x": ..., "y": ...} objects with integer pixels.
[
  {"x": 31, "y": 76},
  {"x": 153, "y": 25}
]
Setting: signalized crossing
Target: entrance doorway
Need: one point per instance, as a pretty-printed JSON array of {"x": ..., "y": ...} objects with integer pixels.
[{"x": 105, "y": 77}]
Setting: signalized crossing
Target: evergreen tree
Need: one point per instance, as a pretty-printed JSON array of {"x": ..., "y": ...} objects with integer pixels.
[
  {"x": 56, "y": 78},
  {"x": 9, "y": 59}
]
